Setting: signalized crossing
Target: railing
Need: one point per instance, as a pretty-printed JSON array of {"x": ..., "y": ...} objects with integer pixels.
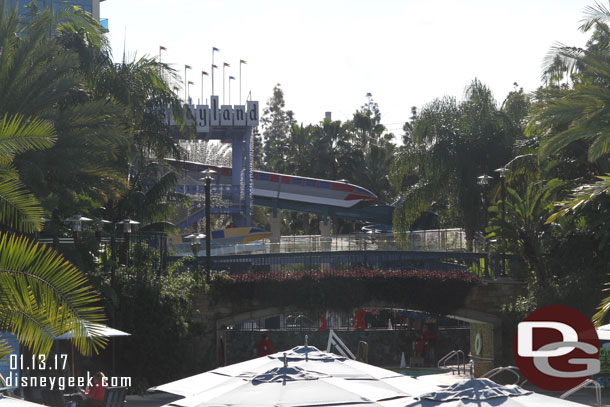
[
  {"x": 442, "y": 363},
  {"x": 450, "y": 240},
  {"x": 494, "y": 372},
  {"x": 334, "y": 340},
  {"x": 589, "y": 383}
]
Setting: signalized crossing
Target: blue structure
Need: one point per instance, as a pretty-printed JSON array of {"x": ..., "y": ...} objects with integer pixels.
[
  {"x": 91, "y": 6},
  {"x": 228, "y": 124}
]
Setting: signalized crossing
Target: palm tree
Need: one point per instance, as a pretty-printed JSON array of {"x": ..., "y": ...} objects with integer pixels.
[
  {"x": 578, "y": 114},
  {"x": 41, "y": 295},
  {"x": 453, "y": 144},
  {"x": 525, "y": 222}
]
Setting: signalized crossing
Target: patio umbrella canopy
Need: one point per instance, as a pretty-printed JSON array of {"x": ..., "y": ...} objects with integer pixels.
[
  {"x": 13, "y": 402},
  {"x": 486, "y": 393},
  {"x": 603, "y": 332},
  {"x": 302, "y": 376},
  {"x": 97, "y": 330}
]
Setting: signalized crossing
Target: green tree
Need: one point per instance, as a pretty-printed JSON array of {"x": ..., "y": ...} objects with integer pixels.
[
  {"x": 41, "y": 294},
  {"x": 40, "y": 77},
  {"x": 276, "y": 123},
  {"x": 371, "y": 150},
  {"x": 453, "y": 144},
  {"x": 524, "y": 225}
]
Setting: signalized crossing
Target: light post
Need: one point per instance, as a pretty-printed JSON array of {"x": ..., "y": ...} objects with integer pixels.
[
  {"x": 502, "y": 171},
  {"x": 195, "y": 239},
  {"x": 127, "y": 229},
  {"x": 483, "y": 181},
  {"x": 208, "y": 226},
  {"x": 77, "y": 224}
]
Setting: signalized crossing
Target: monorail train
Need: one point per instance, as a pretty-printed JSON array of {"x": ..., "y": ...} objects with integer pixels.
[{"x": 281, "y": 186}]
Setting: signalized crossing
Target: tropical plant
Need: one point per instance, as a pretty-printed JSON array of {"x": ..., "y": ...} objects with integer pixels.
[
  {"x": 522, "y": 221},
  {"x": 452, "y": 144},
  {"x": 41, "y": 295},
  {"x": 578, "y": 114},
  {"x": 40, "y": 77}
]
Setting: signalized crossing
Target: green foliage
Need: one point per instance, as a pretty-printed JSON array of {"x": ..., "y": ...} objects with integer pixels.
[
  {"x": 156, "y": 310},
  {"x": 452, "y": 144},
  {"x": 276, "y": 124},
  {"x": 43, "y": 296},
  {"x": 317, "y": 291},
  {"x": 524, "y": 223}
]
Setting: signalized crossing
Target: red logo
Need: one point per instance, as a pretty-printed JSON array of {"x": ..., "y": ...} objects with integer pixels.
[{"x": 556, "y": 348}]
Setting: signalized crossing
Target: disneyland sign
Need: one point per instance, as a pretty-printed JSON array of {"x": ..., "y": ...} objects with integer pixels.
[{"x": 214, "y": 115}]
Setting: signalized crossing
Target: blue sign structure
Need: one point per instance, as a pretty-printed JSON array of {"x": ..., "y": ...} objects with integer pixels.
[{"x": 228, "y": 124}]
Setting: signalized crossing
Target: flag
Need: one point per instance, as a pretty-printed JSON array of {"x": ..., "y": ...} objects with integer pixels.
[
  {"x": 204, "y": 73},
  {"x": 231, "y": 77},
  {"x": 191, "y": 83},
  {"x": 187, "y": 67},
  {"x": 241, "y": 61},
  {"x": 214, "y": 66},
  {"x": 162, "y": 48},
  {"x": 225, "y": 64},
  {"x": 215, "y": 49}
]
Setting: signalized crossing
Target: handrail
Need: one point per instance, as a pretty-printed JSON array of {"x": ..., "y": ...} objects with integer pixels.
[
  {"x": 442, "y": 363},
  {"x": 585, "y": 384},
  {"x": 333, "y": 339},
  {"x": 493, "y": 372}
]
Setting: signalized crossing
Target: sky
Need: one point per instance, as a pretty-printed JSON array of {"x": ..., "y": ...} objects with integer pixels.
[{"x": 327, "y": 55}]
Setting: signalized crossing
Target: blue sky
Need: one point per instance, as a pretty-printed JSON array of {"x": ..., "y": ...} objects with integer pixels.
[{"x": 328, "y": 54}]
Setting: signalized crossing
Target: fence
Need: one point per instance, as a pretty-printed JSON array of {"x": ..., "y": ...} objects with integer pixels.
[{"x": 421, "y": 240}]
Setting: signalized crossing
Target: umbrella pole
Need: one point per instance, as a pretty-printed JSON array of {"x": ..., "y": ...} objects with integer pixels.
[{"x": 73, "y": 372}]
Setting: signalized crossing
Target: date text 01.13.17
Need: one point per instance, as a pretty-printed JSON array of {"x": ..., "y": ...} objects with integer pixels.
[{"x": 39, "y": 362}]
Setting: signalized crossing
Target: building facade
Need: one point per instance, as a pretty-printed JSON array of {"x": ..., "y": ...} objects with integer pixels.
[{"x": 91, "y": 6}]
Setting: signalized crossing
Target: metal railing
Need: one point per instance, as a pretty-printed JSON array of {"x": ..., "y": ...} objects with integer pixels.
[
  {"x": 450, "y": 240},
  {"x": 494, "y": 372},
  {"x": 589, "y": 383},
  {"x": 442, "y": 363}
]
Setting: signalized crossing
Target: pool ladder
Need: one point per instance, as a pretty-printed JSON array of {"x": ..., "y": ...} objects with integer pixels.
[
  {"x": 587, "y": 384},
  {"x": 442, "y": 363}
]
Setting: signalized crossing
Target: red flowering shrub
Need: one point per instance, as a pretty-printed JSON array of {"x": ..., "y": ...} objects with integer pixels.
[{"x": 433, "y": 291}]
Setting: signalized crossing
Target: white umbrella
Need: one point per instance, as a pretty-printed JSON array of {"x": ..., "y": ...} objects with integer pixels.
[
  {"x": 486, "y": 393},
  {"x": 301, "y": 376},
  {"x": 13, "y": 402},
  {"x": 96, "y": 330},
  {"x": 603, "y": 332}
]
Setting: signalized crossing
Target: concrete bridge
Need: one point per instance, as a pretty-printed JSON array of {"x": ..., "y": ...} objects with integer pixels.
[{"x": 480, "y": 306}]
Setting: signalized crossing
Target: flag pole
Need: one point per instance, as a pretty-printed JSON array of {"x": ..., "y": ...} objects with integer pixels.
[
  {"x": 214, "y": 49},
  {"x": 231, "y": 78},
  {"x": 185, "y": 85},
  {"x": 241, "y": 61},
  {"x": 223, "y": 82},
  {"x": 202, "y": 75}
]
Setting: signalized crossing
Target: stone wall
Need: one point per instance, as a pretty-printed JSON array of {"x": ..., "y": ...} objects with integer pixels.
[{"x": 385, "y": 346}]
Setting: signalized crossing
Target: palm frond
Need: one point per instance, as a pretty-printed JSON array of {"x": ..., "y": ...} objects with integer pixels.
[
  {"x": 43, "y": 296},
  {"x": 18, "y": 135},
  {"x": 598, "y": 13},
  {"x": 19, "y": 209},
  {"x": 582, "y": 196}
]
